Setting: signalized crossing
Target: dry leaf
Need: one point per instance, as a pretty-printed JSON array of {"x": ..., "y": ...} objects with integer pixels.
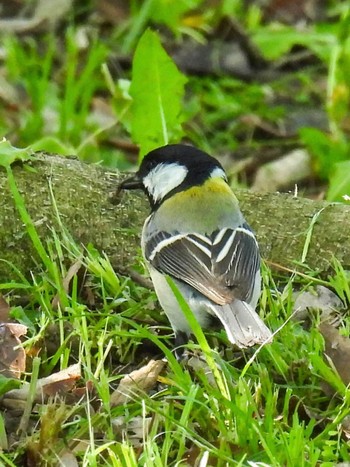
[
  {"x": 199, "y": 364},
  {"x": 288, "y": 12},
  {"x": 12, "y": 354},
  {"x": 321, "y": 298},
  {"x": 9, "y": 93},
  {"x": 13, "y": 404},
  {"x": 345, "y": 425},
  {"x": 67, "y": 459},
  {"x": 80, "y": 445},
  {"x": 113, "y": 11},
  {"x": 138, "y": 381},
  {"x": 284, "y": 172},
  {"x": 72, "y": 271},
  {"x": 20, "y": 25},
  {"x": 52, "y": 10},
  {"x": 46, "y": 13},
  {"x": 337, "y": 349},
  {"x": 133, "y": 430},
  {"x": 4, "y": 310},
  {"x": 57, "y": 383}
]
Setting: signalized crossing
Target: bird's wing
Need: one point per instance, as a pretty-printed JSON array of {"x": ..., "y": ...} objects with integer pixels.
[
  {"x": 222, "y": 267},
  {"x": 236, "y": 260}
]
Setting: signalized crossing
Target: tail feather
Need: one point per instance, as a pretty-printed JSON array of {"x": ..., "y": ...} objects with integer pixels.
[{"x": 243, "y": 326}]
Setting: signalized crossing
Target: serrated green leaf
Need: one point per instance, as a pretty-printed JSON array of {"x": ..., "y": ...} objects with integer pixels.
[
  {"x": 157, "y": 89},
  {"x": 339, "y": 183},
  {"x": 10, "y": 154}
]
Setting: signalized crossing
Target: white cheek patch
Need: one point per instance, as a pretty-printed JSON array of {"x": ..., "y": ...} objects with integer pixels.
[
  {"x": 164, "y": 178},
  {"x": 218, "y": 172}
]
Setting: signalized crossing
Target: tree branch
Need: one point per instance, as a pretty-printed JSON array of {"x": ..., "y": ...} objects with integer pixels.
[{"x": 83, "y": 195}]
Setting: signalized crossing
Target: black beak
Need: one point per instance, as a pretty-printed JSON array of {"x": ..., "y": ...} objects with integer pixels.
[{"x": 132, "y": 183}]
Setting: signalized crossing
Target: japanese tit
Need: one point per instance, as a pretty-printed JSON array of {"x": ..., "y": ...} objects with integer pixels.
[{"x": 197, "y": 235}]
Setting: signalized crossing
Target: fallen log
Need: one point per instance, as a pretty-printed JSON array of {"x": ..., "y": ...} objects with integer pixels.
[{"x": 65, "y": 191}]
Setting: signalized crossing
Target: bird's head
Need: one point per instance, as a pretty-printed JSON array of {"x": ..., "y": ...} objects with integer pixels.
[{"x": 171, "y": 169}]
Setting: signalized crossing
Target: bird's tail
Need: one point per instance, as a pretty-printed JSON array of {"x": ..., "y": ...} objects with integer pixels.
[{"x": 243, "y": 326}]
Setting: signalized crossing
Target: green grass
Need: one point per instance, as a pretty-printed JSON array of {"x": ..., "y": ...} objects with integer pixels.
[
  {"x": 265, "y": 407},
  {"x": 231, "y": 410},
  {"x": 57, "y": 90}
]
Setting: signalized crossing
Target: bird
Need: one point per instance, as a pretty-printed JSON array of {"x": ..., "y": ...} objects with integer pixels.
[{"x": 197, "y": 235}]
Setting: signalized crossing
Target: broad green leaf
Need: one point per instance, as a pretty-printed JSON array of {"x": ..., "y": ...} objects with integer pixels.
[
  {"x": 171, "y": 13},
  {"x": 339, "y": 183},
  {"x": 53, "y": 145},
  {"x": 326, "y": 149},
  {"x": 10, "y": 154},
  {"x": 6, "y": 384},
  {"x": 157, "y": 89},
  {"x": 26, "y": 317},
  {"x": 276, "y": 40}
]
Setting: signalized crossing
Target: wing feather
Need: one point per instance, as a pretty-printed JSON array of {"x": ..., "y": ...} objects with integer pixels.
[
  {"x": 183, "y": 259},
  {"x": 222, "y": 266},
  {"x": 240, "y": 263}
]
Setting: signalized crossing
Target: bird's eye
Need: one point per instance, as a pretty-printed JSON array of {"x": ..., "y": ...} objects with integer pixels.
[{"x": 152, "y": 165}]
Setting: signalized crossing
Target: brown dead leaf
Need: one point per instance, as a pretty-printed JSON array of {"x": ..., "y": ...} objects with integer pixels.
[
  {"x": 20, "y": 25},
  {"x": 12, "y": 354},
  {"x": 13, "y": 404},
  {"x": 46, "y": 15},
  {"x": 79, "y": 445},
  {"x": 59, "y": 387},
  {"x": 255, "y": 122},
  {"x": 113, "y": 11},
  {"x": 199, "y": 365},
  {"x": 57, "y": 383},
  {"x": 321, "y": 298},
  {"x": 80, "y": 392},
  {"x": 138, "y": 381},
  {"x": 134, "y": 430},
  {"x": 72, "y": 271},
  {"x": 9, "y": 93},
  {"x": 345, "y": 425},
  {"x": 296, "y": 12},
  {"x": 17, "y": 329},
  {"x": 67, "y": 459},
  {"x": 337, "y": 349},
  {"x": 52, "y": 11},
  {"x": 284, "y": 172},
  {"x": 4, "y": 310},
  {"x": 305, "y": 414}
]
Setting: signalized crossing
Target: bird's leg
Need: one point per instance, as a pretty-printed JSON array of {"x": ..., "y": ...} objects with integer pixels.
[{"x": 181, "y": 338}]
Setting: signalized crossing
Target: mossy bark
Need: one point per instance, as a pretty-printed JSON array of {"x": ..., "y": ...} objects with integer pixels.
[{"x": 85, "y": 199}]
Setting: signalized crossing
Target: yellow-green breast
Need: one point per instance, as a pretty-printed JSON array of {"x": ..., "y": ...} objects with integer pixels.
[{"x": 201, "y": 209}]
